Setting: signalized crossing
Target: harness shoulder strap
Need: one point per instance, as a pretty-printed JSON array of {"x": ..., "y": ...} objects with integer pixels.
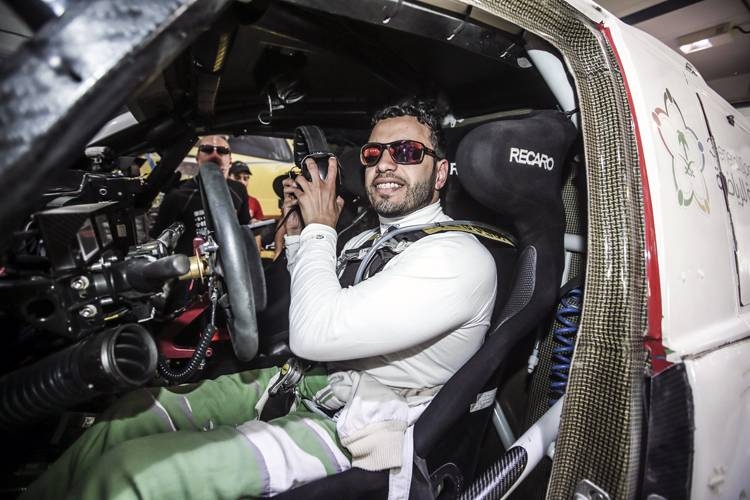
[{"x": 374, "y": 254}]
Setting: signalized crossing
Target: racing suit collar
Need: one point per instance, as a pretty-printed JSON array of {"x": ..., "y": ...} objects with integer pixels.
[{"x": 425, "y": 215}]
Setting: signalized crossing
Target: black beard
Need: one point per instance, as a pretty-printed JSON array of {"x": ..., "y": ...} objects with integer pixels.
[{"x": 417, "y": 196}]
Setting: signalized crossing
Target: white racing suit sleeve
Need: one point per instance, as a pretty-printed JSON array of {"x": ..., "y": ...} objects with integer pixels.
[
  {"x": 430, "y": 290},
  {"x": 291, "y": 244}
]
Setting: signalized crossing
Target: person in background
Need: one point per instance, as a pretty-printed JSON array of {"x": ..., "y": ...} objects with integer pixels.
[
  {"x": 184, "y": 204},
  {"x": 240, "y": 172},
  {"x": 280, "y": 230}
]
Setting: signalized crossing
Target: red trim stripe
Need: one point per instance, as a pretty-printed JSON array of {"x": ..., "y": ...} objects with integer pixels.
[{"x": 653, "y": 339}]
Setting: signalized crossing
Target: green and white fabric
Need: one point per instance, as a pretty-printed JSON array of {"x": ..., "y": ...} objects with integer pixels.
[{"x": 198, "y": 441}]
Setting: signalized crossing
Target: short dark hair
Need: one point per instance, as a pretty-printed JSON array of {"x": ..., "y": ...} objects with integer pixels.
[{"x": 426, "y": 111}]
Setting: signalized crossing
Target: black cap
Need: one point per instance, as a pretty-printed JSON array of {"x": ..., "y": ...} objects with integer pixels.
[
  {"x": 239, "y": 167},
  {"x": 278, "y": 186}
]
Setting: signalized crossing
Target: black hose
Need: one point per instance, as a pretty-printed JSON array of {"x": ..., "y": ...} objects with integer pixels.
[
  {"x": 354, "y": 222},
  {"x": 111, "y": 361},
  {"x": 499, "y": 478},
  {"x": 175, "y": 376}
]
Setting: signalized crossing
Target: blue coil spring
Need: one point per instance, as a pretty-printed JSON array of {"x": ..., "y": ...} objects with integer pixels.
[{"x": 567, "y": 317}]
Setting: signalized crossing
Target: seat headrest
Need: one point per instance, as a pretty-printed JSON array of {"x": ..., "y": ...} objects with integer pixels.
[{"x": 514, "y": 166}]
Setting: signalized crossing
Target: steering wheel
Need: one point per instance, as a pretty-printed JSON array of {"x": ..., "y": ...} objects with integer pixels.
[{"x": 234, "y": 266}]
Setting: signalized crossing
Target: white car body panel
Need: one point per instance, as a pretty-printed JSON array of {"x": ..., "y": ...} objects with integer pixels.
[
  {"x": 721, "y": 394},
  {"x": 697, "y": 268},
  {"x": 592, "y": 10},
  {"x": 733, "y": 150},
  {"x": 703, "y": 255}
]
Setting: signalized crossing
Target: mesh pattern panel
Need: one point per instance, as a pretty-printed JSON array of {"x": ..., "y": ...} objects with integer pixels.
[
  {"x": 539, "y": 391},
  {"x": 577, "y": 263},
  {"x": 574, "y": 224},
  {"x": 523, "y": 288},
  {"x": 574, "y": 220},
  {"x": 600, "y": 429}
]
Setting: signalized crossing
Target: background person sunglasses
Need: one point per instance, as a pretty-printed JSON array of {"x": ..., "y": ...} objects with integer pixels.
[
  {"x": 208, "y": 149},
  {"x": 403, "y": 152}
]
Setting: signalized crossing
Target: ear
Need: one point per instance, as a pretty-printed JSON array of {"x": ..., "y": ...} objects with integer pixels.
[{"x": 442, "y": 174}]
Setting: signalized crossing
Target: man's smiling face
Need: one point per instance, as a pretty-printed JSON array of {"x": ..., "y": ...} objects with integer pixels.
[{"x": 395, "y": 190}]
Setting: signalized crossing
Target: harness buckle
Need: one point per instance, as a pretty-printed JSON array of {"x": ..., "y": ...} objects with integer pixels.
[{"x": 290, "y": 376}]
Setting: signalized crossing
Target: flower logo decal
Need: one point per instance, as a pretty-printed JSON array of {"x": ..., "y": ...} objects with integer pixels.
[{"x": 688, "y": 158}]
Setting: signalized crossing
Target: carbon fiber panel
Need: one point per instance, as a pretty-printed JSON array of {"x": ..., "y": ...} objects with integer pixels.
[
  {"x": 601, "y": 423},
  {"x": 574, "y": 224},
  {"x": 671, "y": 420},
  {"x": 577, "y": 265},
  {"x": 523, "y": 289},
  {"x": 575, "y": 221},
  {"x": 499, "y": 478},
  {"x": 540, "y": 381}
]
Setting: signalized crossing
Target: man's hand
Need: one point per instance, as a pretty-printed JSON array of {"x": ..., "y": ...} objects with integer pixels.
[{"x": 316, "y": 198}]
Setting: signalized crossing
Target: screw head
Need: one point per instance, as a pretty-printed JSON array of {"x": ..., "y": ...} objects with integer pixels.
[
  {"x": 80, "y": 283},
  {"x": 88, "y": 311}
]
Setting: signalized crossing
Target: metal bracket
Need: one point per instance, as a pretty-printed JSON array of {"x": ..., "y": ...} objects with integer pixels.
[
  {"x": 461, "y": 25},
  {"x": 265, "y": 117},
  {"x": 586, "y": 490}
]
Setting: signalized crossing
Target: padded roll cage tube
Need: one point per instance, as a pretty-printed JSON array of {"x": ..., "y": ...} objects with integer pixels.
[{"x": 79, "y": 70}]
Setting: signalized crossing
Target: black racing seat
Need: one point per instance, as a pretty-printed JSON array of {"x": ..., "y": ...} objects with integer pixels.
[{"x": 513, "y": 168}]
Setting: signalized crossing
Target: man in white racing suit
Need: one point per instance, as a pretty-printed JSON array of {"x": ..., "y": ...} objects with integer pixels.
[{"x": 388, "y": 343}]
